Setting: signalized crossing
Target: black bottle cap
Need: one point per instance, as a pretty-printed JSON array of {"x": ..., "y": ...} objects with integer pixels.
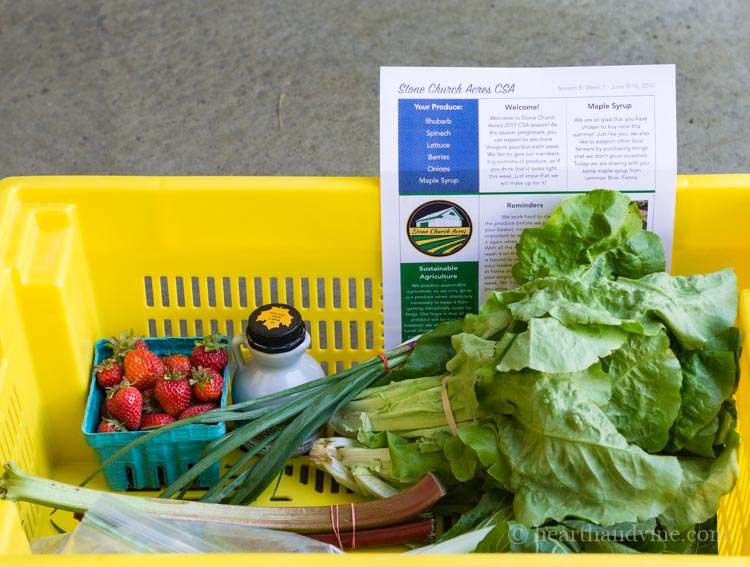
[{"x": 275, "y": 328}]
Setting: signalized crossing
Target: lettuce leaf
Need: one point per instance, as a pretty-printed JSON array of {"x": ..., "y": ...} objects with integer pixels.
[
  {"x": 646, "y": 380},
  {"x": 598, "y": 234},
  {"x": 567, "y": 459},
  {"x": 514, "y": 537},
  {"x": 626, "y": 537},
  {"x": 492, "y": 318},
  {"x": 696, "y": 309},
  {"x": 549, "y": 346},
  {"x": 704, "y": 481},
  {"x": 574, "y": 301},
  {"x": 708, "y": 381}
]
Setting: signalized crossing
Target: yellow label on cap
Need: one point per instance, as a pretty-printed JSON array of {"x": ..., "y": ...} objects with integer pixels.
[{"x": 275, "y": 317}]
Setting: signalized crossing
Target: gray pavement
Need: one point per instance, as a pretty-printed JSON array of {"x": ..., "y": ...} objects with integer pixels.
[{"x": 143, "y": 87}]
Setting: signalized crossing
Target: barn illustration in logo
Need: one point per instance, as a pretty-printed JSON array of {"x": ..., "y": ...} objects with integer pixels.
[{"x": 439, "y": 228}]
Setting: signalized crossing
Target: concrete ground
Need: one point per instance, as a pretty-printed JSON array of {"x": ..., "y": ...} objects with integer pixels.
[{"x": 239, "y": 87}]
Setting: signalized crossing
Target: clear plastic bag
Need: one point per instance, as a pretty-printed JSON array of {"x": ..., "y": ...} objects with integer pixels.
[{"x": 110, "y": 526}]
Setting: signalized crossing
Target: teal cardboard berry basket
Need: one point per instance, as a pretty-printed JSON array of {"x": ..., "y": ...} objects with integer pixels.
[{"x": 158, "y": 461}]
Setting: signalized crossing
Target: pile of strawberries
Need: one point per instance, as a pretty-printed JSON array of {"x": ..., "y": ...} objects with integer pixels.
[{"x": 144, "y": 390}]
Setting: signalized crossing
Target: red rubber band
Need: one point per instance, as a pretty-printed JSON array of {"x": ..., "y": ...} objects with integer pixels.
[
  {"x": 335, "y": 526},
  {"x": 385, "y": 362}
]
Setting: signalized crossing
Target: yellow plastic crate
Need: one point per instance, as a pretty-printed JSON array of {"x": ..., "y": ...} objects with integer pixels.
[{"x": 87, "y": 257}]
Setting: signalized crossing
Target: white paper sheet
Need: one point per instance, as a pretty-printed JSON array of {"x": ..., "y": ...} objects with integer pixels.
[{"x": 471, "y": 156}]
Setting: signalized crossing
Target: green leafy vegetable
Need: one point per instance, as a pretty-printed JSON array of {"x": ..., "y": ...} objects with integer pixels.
[
  {"x": 695, "y": 308},
  {"x": 704, "y": 481},
  {"x": 708, "y": 380},
  {"x": 515, "y": 537},
  {"x": 593, "y": 403},
  {"x": 482, "y": 438},
  {"x": 409, "y": 461},
  {"x": 646, "y": 380},
  {"x": 493, "y": 507},
  {"x": 568, "y": 459},
  {"x": 595, "y": 235},
  {"x": 434, "y": 350},
  {"x": 549, "y": 346}
]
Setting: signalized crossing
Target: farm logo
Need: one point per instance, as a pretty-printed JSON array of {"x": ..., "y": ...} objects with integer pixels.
[{"x": 439, "y": 228}]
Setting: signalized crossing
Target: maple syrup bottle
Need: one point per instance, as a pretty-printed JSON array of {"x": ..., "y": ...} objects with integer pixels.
[{"x": 277, "y": 341}]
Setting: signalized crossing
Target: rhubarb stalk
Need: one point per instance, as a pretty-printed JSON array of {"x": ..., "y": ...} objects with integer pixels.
[{"x": 19, "y": 486}]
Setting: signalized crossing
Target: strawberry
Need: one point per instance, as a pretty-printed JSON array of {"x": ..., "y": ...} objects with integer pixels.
[
  {"x": 173, "y": 393},
  {"x": 207, "y": 384},
  {"x": 178, "y": 364},
  {"x": 125, "y": 403},
  {"x": 210, "y": 352},
  {"x": 108, "y": 373},
  {"x": 198, "y": 409},
  {"x": 127, "y": 342},
  {"x": 155, "y": 420},
  {"x": 110, "y": 426},
  {"x": 143, "y": 368}
]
